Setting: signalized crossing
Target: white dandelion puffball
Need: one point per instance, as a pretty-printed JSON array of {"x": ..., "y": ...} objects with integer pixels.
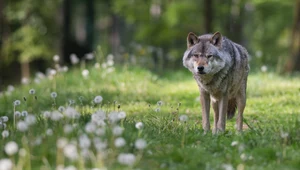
[
  {"x": 70, "y": 151},
  {"x": 5, "y": 133},
  {"x": 139, "y": 125},
  {"x": 90, "y": 127},
  {"x": 183, "y": 118},
  {"x": 30, "y": 119},
  {"x": 56, "y": 58},
  {"x": 126, "y": 158},
  {"x": 113, "y": 117},
  {"x": 264, "y": 68},
  {"x": 17, "y": 114},
  {"x": 6, "y": 164},
  {"x": 100, "y": 145},
  {"x": 53, "y": 95},
  {"x": 71, "y": 113},
  {"x": 74, "y": 59},
  {"x": 84, "y": 141},
  {"x": 4, "y": 118},
  {"x": 22, "y": 126},
  {"x": 11, "y": 148},
  {"x": 68, "y": 129},
  {"x": 31, "y": 91},
  {"x": 70, "y": 167},
  {"x": 140, "y": 144},
  {"x": 61, "y": 108},
  {"x": 234, "y": 143},
  {"x": 100, "y": 131},
  {"x": 98, "y": 99},
  {"x": 160, "y": 103},
  {"x": 117, "y": 130},
  {"x": 10, "y": 88},
  {"x": 46, "y": 114},
  {"x": 61, "y": 142},
  {"x": 121, "y": 115},
  {"x": 49, "y": 132},
  {"x": 85, "y": 73},
  {"x": 89, "y": 56},
  {"x": 17, "y": 102},
  {"x": 120, "y": 142},
  {"x": 56, "y": 116},
  {"x": 157, "y": 110},
  {"x": 24, "y": 113}
]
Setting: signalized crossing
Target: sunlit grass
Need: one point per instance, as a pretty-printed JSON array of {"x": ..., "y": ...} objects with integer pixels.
[{"x": 270, "y": 141}]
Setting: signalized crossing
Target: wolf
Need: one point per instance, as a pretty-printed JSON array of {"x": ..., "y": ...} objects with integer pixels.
[{"x": 220, "y": 68}]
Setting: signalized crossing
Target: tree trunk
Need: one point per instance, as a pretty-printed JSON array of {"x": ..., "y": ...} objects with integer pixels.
[
  {"x": 25, "y": 70},
  {"x": 89, "y": 24},
  {"x": 293, "y": 62},
  {"x": 208, "y": 15},
  {"x": 66, "y": 23}
]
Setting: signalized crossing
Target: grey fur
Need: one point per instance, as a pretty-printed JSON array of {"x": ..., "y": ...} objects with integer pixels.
[{"x": 220, "y": 68}]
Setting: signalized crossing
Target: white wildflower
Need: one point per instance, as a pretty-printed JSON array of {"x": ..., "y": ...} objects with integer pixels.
[
  {"x": 6, "y": 164},
  {"x": 61, "y": 108},
  {"x": 97, "y": 65},
  {"x": 117, "y": 130},
  {"x": 74, "y": 59},
  {"x": 140, "y": 144},
  {"x": 4, "y": 118},
  {"x": 139, "y": 125},
  {"x": 70, "y": 167},
  {"x": 17, "y": 102},
  {"x": 85, "y": 73},
  {"x": 49, "y": 132},
  {"x": 31, "y": 91},
  {"x": 56, "y": 116},
  {"x": 17, "y": 114},
  {"x": 56, "y": 58},
  {"x": 24, "y": 113},
  {"x": 264, "y": 68},
  {"x": 284, "y": 134},
  {"x": 110, "y": 63},
  {"x": 243, "y": 156},
  {"x": 227, "y": 167},
  {"x": 110, "y": 57},
  {"x": 113, "y": 117},
  {"x": 70, "y": 151},
  {"x": 183, "y": 118},
  {"x": 90, "y": 127},
  {"x": 5, "y": 133},
  {"x": 53, "y": 94},
  {"x": 40, "y": 75},
  {"x": 37, "y": 141},
  {"x": 160, "y": 103},
  {"x": 234, "y": 143},
  {"x": 98, "y": 99},
  {"x": 120, "y": 142},
  {"x": 30, "y": 119},
  {"x": 71, "y": 113},
  {"x": 68, "y": 129},
  {"x": 100, "y": 145},
  {"x": 100, "y": 131},
  {"x": 65, "y": 68},
  {"x": 126, "y": 158},
  {"x": 22, "y": 126},
  {"x": 89, "y": 56},
  {"x": 121, "y": 115},
  {"x": 25, "y": 80},
  {"x": 157, "y": 110},
  {"x": 84, "y": 141},
  {"x": 51, "y": 72},
  {"x": 61, "y": 142},
  {"x": 10, "y": 88},
  {"x": 98, "y": 115},
  {"x": 46, "y": 114},
  {"x": 11, "y": 148}
]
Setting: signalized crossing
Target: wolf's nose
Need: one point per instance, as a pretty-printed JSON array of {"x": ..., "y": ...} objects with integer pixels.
[{"x": 200, "y": 68}]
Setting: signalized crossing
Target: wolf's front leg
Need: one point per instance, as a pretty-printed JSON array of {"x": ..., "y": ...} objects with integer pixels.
[
  {"x": 215, "y": 105},
  {"x": 205, "y": 102},
  {"x": 223, "y": 105}
]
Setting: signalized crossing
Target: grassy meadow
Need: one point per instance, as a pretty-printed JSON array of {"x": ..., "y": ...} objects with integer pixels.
[{"x": 145, "y": 121}]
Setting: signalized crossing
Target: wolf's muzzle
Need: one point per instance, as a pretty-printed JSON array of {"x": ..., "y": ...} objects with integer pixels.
[{"x": 200, "y": 70}]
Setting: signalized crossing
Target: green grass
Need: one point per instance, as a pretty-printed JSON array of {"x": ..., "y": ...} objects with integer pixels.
[{"x": 272, "y": 111}]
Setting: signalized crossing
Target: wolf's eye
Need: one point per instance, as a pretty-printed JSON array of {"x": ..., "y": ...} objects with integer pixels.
[
  {"x": 196, "y": 55},
  {"x": 209, "y": 56}
]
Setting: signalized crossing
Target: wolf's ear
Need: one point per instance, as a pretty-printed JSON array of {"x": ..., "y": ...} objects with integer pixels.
[
  {"x": 216, "y": 39},
  {"x": 192, "y": 39}
]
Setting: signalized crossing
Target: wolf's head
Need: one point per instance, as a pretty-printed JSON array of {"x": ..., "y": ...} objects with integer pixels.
[{"x": 204, "y": 54}]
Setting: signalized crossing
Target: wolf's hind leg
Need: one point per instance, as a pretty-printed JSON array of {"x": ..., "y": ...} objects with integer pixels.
[
  {"x": 241, "y": 104},
  {"x": 216, "y": 115}
]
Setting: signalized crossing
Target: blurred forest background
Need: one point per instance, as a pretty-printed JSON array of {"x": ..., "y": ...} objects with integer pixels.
[{"x": 148, "y": 33}]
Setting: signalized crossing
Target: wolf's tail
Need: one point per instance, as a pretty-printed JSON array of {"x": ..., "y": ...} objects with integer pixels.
[{"x": 231, "y": 108}]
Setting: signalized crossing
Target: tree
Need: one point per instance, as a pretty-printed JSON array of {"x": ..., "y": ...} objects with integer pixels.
[{"x": 293, "y": 62}]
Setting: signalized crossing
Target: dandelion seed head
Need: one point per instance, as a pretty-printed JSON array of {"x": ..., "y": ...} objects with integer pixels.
[
  {"x": 4, "y": 118},
  {"x": 70, "y": 151},
  {"x": 46, "y": 114},
  {"x": 70, "y": 167},
  {"x": 24, "y": 113},
  {"x": 37, "y": 141},
  {"x": 90, "y": 127},
  {"x": 56, "y": 116},
  {"x": 120, "y": 142},
  {"x": 74, "y": 59},
  {"x": 17, "y": 102},
  {"x": 56, "y": 58},
  {"x": 84, "y": 141},
  {"x": 49, "y": 132},
  {"x": 234, "y": 143},
  {"x": 117, "y": 130},
  {"x": 113, "y": 117},
  {"x": 53, "y": 94},
  {"x": 160, "y": 103},
  {"x": 22, "y": 152},
  {"x": 183, "y": 118},
  {"x": 17, "y": 114},
  {"x": 61, "y": 108},
  {"x": 157, "y": 110},
  {"x": 121, "y": 115},
  {"x": 98, "y": 99},
  {"x": 264, "y": 68},
  {"x": 71, "y": 113},
  {"x": 89, "y": 56},
  {"x": 139, "y": 125},
  {"x": 126, "y": 158},
  {"x": 227, "y": 167},
  {"x": 110, "y": 63},
  {"x": 22, "y": 126},
  {"x": 140, "y": 144},
  {"x": 100, "y": 131},
  {"x": 25, "y": 80},
  {"x": 100, "y": 145},
  {"x": 10, "y": 88},
  {"x": 68, "y": 129},
  {"x": 32, "y": 91},
  {"x": 85, "y": 73},
  {"x": 11, "y": 148},
  {"x": 5, "y": 133},
  {"x": 6, "y": 164},
  {"x": 61, "y": 142},
  {"x": 30, "y": 119},
  {"x": 97, "y": 65}
]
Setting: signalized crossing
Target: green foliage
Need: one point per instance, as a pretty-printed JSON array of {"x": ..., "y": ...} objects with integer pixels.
[{"x": 270, "y": 139}]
